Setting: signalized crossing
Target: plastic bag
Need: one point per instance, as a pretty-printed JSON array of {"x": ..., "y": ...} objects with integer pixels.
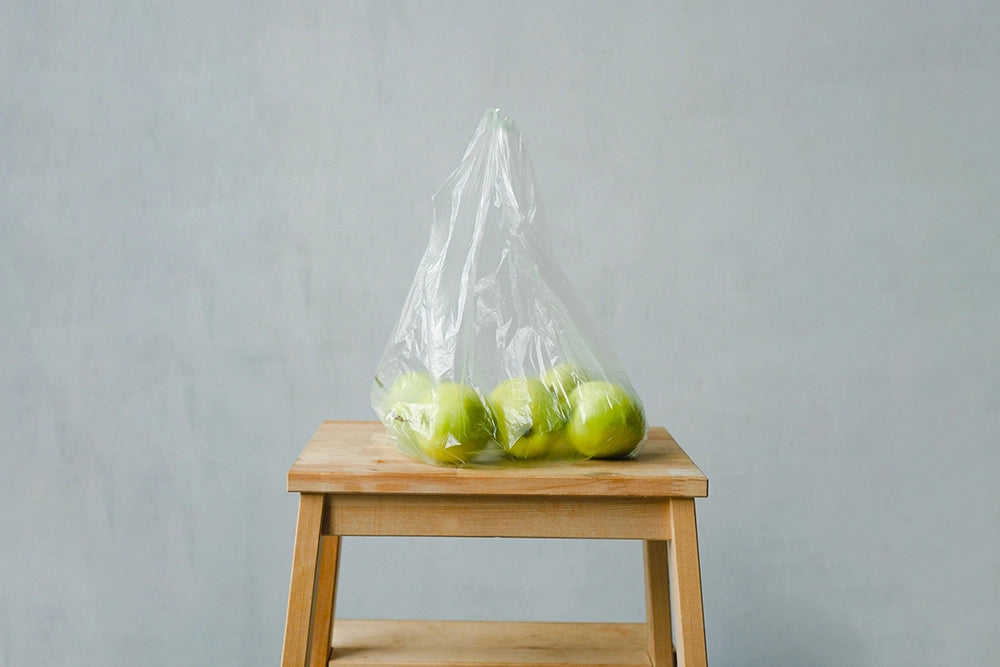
[{"x": 493, "y": 357}]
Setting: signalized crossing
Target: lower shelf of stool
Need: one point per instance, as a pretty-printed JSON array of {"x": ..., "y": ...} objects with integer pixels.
[{"x": 467, "y": 643}]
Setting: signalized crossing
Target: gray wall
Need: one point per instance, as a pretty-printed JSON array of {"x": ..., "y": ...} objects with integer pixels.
[{"x": 785, "y": 215}]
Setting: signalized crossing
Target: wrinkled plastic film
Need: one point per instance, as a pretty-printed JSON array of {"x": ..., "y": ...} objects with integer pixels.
[{"x": 488, "y": 306}]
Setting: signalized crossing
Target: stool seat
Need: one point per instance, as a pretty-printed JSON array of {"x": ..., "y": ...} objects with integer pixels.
[{"x": 353, "y": 481}]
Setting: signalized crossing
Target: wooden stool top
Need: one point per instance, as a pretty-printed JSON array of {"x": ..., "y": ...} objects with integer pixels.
[{"x": 358, "y": 457}]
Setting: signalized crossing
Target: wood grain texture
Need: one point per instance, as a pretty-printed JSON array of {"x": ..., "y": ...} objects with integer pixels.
[
  {"x": 498, "y": 516},
  {"x": 468, "y": 643},
  {"x": 685, "y": 586},
  {"x": 326, "y": 598},
  {"x": 302, "y": 589},
  {"x": 353, "y": 481},
  {"x": 659, "y": 634},
  {"x": 358, "y": 457}
]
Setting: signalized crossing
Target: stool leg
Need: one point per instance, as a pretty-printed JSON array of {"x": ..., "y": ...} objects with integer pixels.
[
  {"x": 685, "y": 585},
  {"x": 301, "y": 591},
  {"x": 661, "y": 650},
  {"x": 326, "y": 601}
]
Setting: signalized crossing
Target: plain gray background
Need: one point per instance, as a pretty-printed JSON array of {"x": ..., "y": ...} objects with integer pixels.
[{"x": 784, "y": 214}]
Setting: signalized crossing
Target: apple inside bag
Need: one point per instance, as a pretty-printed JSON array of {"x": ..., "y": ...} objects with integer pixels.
[{"x": 494, "y": 359}]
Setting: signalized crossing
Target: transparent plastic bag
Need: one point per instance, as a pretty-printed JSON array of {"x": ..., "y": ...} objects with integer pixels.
[{"x": 493, "y": 357}]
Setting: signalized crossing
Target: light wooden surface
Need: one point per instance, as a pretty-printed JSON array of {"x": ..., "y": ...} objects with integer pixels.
[
  {"x": 484, "y": 516},
  {"x": 301, "y": 590},
  {"x": 353, "y": 481},
  {"x": 357, "y": 457},
  {"x": 468, "y": 643},
  {"x": 658, "y": 639},
  {"x": 326, "y": 598},
  {"x": 685, "y": 585}
]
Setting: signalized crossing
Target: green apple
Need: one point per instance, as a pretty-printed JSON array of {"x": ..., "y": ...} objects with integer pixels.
[
  {"x": 407, "y": 395},
  {"x": 408, "y": 388},
  {"x": 563, "y": 378},
  {"x": 449, "y": 424},
  {"x": 606, "y": 421},
  {"x": 529, "y": 417}
]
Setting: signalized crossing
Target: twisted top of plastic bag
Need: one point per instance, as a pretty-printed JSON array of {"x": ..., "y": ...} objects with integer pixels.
[{"x": 489, "y": 301}]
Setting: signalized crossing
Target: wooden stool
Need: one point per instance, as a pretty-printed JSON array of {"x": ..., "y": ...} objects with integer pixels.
[{"x": 353, "y": 481}]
